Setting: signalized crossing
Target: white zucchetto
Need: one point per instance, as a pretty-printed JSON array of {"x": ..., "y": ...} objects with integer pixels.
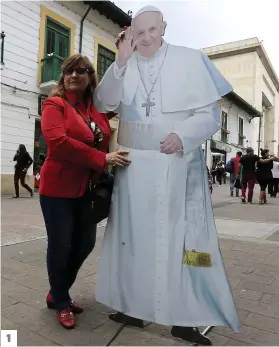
[{"x": 147, "y": 9}]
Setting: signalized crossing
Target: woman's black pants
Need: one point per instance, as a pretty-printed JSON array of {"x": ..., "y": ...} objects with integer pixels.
[
  {"x": 219, "y": 177},
  {"x": 71, "y": 238},
  {"x": 20, "y": 176},
  {"x": 273, "y": 187},
  {"x": 263, "y": 184}
]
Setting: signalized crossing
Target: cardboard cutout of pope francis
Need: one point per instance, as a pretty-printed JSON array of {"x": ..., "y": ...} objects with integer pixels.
[{"x": 160, "y": 260}]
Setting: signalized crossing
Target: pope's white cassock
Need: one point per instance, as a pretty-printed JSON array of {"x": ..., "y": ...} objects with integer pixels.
[{"x": 161, "y": 205}]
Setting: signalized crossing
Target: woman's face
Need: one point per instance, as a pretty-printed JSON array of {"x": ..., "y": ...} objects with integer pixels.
[{"x": 76, "y": 79}]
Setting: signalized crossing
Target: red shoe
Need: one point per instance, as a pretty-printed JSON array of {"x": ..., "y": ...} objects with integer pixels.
[
  {"x": 75, "y": 307},
  {"x": 66, "y": 318}
]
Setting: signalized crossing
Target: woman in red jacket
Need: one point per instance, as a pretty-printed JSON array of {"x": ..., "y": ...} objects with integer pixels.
[{"x": 77, "y": 137}]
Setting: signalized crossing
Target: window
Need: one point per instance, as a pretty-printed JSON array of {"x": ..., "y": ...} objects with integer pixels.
[
  {"x": 240, "y": 131},
  {"x": 224, "y": 136},
  {"x": 224, "y": 127},
  {"x": 41, "y": 99},
  {"x": 57, "y": 39},
  {"x": 105, "y": 58},
  {"x": 57, "y": 48},
  {"x": 224, "y": 120}
]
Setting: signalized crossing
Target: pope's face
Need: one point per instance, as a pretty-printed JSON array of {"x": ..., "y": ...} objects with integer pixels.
[{"x": 148, "y": 29}]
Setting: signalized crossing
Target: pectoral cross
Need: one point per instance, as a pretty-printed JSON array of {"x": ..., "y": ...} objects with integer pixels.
[{"x": 148, "y": 104}]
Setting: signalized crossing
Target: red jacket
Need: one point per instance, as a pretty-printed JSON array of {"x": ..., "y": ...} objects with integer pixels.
[
  {"x": 236, "y": 165},
  {"x": 66, "y": 170}
]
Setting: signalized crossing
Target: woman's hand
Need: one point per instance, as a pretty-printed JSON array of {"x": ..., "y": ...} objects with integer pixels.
[{"x": 117, "y": 158}]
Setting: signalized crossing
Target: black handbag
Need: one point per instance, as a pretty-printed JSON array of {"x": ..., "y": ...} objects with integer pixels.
[
  {"x": 101, "y": 191},
  {"x": 237, "y": 183}
]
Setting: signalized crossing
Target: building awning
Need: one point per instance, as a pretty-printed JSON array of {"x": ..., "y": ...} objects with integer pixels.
[
  {"x": 243, "y": 104},
  {"x": 221, "y": 146},
  {"x": 111, "y": 11}
]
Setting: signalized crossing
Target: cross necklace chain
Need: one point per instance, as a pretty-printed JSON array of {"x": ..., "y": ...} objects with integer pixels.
[{"x": 148, "y": 104}]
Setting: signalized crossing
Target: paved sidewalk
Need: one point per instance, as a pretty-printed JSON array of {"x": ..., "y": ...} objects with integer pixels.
[
  {"x": 252, "y": 267},
  {"x": 253, "y": 270},
  {"x": 22, "y": 218},
  {"x": 245, "y": 222}
]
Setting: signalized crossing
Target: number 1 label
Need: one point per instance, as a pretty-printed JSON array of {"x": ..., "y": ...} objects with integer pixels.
[{"x": 9, "y": 338}]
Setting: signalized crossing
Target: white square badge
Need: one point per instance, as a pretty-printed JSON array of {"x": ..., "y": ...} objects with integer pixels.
[{"x": 8, "y": 338}]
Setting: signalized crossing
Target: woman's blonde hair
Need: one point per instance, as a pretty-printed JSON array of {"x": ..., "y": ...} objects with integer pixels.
[{"x": 70, "y": 63}]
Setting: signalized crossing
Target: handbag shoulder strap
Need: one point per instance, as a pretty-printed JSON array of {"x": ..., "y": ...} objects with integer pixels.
[{"x": 78, "y": 111}]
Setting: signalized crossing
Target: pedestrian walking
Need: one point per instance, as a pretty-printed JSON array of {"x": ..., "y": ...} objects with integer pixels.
[
  {"x": 220, "y": 171},
  {"x": 213, "y": 172},
  {"x": 248, "y": 166},
  {"x": 273, "y": 186},
  {"x": 264, "y": 175},
  {"x": 23, "y": 162},
  {"x": 234, "y": 171},
  {"x": 210, "y": 181},
  {"x": 224, "y": 177}
]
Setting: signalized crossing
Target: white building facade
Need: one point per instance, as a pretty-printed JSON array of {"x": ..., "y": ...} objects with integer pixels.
[
  {"x": 38, "y": 37},
  {"x": 237, "y": 130},
  {"x": 248, "y": 68}
]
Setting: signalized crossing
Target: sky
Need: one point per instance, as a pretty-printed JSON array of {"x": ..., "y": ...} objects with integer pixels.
[{"x": 203, "y": 23}]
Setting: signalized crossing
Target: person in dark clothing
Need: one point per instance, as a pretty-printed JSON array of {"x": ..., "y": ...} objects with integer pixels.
[
  {"x": 234, "y": 174},
  {"x": 248, "y": 168},
  {"x": 23, "y": 162},
  {"x": 224, "y": 177},
  {"x": 210, "y": 182},
  {"x": 264, "y": 175},
  {"x": 273, "y": 186},
  {"x": 213, "y": 172},
  {"x": 220, "y": 171}
]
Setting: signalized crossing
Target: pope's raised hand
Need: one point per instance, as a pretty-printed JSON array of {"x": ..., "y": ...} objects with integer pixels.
[
  {"x": 126, "y": 46},
  {"x": 172, "y": 144}
]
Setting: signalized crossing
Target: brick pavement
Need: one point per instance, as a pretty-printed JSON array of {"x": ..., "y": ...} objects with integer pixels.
[
  {"x": 22, "y": 219},
  {"x": 253, "y": 270}
]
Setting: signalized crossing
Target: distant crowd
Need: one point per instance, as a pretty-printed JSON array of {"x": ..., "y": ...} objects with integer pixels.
[{"x": 247, "y": 170}]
